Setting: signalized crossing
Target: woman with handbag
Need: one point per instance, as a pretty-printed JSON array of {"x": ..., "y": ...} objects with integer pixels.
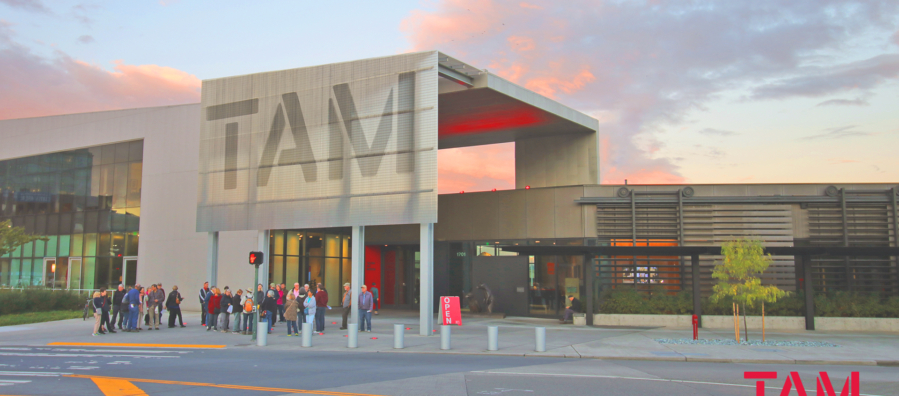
[
  {"x": 213, "y": 309},
  {"x": 310, "y": 308}
]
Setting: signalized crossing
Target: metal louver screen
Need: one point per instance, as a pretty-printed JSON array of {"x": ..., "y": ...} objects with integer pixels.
[{"x": 344, "y": 144}]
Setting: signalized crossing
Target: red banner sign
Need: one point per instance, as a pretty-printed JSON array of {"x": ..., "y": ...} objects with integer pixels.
[{"x": 450, "y": 313}]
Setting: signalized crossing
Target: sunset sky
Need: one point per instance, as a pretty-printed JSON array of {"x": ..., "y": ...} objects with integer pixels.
[{"x": 732, "y": 91}]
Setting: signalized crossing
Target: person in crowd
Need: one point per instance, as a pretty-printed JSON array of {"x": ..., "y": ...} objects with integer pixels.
[
  {"x": 269, "y": 308},
  {"x": 134, "y": 303},
  {"x": 156, "y": 300},
  {"x": 224, "y": 306},
  {"x": 290, "y": 314},
  {"x": 321, "y": 305},
  {"x": 117, "y": 313},
  {"x": 98, "y": 312},
  {"x": 260, "y": 294},
  {"x": 365, "y": 306},
  {"x": 213, "y": 308},
  {"x": 272, "y": 288},
  {"x": 236, "y": 311},
  {"x": 280, "y": 290},
  {"x": 125, "y": 310},
  {"x": 204, "y": 291},
  {"x": 347, "y": 298},
  {"x": 573, "y": 306},
  {"x": 249, "y": 310},
  {"x": 377, "y": 297},
  {"x": 296, "y": 291},
  {"x": 161, "y": 306},
  {"x": 147, "y": 305},
  {"x": 105, "y": 324},
  {"x": 173, "y": 304},
  {"x": 142, "y": 301},
  {"x": 309, "y": 306}
]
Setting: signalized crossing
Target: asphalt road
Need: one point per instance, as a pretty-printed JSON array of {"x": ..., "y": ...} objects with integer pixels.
[{"x": 84, "y": 370}]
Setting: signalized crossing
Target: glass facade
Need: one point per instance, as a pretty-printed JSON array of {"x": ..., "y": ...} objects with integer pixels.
[
  {"x": 87, "y": 203},
  {"x": 311, "y": 256}
]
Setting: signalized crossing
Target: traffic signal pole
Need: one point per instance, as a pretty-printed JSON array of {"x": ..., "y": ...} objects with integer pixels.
[{"x": 256, "y": 313}]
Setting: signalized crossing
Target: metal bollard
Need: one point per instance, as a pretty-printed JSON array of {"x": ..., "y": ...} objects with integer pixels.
[
  {"x": 445, "y": 338},
  {"x": 541, "y": 339},
  {"x": 492, "y": 338},
  {"x": 399, "y": 331},
  {"x": 307, "y": 335},
  {"x": 352, "y": 338},
  {"x": 262, "y": 334}
]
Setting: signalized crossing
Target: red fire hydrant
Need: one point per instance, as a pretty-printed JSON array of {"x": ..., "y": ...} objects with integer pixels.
[{"x": 695, "y": 327}]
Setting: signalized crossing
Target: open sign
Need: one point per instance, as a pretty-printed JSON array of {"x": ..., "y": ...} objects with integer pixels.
[{"x": 450, "y": 313}]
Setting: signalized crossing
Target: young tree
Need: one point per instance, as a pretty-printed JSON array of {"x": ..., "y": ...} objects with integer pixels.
[
  {"x": 13, "y": 237},
  {"x": 738, "y": 277}
]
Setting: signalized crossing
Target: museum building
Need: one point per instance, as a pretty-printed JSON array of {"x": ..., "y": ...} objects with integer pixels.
[{"x": 331, "y": 171}]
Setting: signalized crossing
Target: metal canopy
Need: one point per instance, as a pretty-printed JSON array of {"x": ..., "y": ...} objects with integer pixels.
[
  {"x": 477, "y": 107},
  {"x": 699, "y": 250}
]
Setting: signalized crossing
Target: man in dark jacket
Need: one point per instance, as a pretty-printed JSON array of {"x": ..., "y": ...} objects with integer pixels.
[
  {"x": 104, "y": 319},
  {"x": 117, "y": 306},
  {"x": 154, "y": 299},
  {"x": 173, "y": 304},
  {"x": 321, "y": 304},
  {"x": 204, "y": 292},
  {"x": 133, "y": 307},
  {"x": 224, "y": 316}
]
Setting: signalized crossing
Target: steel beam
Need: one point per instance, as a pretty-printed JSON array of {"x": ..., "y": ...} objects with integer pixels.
[
  {"x": 426, "y": 297},
  {"x": 212, "y": 258},
  {"x": 697, "y": 288},
  {"x": 453, "y": 75},
  {"x": 357, "y": 273}
]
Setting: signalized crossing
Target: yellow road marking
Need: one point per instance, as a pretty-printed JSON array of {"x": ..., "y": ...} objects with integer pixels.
[
  {"x": 223, "y": 386},
  {"x": 117, "y": 387},
  {"x": 101, "y": 344}
]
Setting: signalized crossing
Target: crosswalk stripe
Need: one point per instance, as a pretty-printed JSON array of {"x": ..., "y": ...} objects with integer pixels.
[
  {"x": 100, "y": 344},
  {"x": 117, "y": 387}
]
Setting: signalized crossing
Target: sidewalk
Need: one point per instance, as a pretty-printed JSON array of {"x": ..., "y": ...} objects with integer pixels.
[{"x": 516, "y": 338}]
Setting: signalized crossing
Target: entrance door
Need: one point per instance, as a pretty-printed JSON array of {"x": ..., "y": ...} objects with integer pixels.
[
  {"x": 129, "y": 271},
  {"x": 507, "y": 279},
  {"x": 74, "y": 280},
  {"x": 50, "y": 272}
]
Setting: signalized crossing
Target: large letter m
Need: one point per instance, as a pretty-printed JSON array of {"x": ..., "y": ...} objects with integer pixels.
[{"x": 824, "y": 386}]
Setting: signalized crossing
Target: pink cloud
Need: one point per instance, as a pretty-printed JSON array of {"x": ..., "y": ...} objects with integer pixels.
[
  {"x": 478, "y": 168},
  {"x": 36, "y": 86}
]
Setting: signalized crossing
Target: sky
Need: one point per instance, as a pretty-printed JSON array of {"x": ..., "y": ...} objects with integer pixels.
[{"x": 754, "y": 91}]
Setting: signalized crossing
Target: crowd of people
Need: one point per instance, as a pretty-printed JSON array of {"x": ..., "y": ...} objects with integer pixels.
[
  {"x": 126, "y": 307},
  {"x": 227, "y": 311}
]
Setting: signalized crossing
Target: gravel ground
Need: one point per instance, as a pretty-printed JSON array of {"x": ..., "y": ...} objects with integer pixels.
[{"x": 687, "y": 341}]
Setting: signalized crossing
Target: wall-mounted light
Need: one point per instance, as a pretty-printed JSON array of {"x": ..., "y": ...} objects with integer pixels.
[{"x": 53, "y": 267}]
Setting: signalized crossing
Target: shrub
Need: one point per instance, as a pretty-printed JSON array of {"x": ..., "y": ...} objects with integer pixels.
[
  {"x": 658, "y": 301},
  {"x": 36, "y": 299}
]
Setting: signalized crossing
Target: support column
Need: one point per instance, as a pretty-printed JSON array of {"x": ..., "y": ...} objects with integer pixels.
[
  {"x": 426, "y": 299},
  {"x": 809, "y": 293},
  {"x": 357, "y": 273},
  {"x": 262, "y": 246},
  {"x": 588, "y": 283},
  {"x": 212, "y": 257},
  {"x": 697, "y": 288}
]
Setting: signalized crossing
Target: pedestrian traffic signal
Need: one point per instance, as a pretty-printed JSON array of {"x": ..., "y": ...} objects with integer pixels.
[{"x": 256, "y": 258}]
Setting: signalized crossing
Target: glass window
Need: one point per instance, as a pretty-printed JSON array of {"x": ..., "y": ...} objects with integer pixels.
[
  {"x": 118, "y": 244},
  {"x": 278, "y": 241},
  {"x": 278, "y": 269},
  {"x": 136, "y": 150},
  {"x": 293, "y": 243},
  {"x": 51, "y": 246},
  {"x": 75, "y": 270},
  {"x": 121, "y": 152},
  {"x": 332, "y": 278},
  {"x": 332, "y": 245},
  {"x": 90, "y": 222},
  {"x": 119, "y": 220},
  {"x": 28, "y": 249},
  {"x": 90, "y": 245},
  {"x": 131, "y": 243},
  {"x": 347, "y": 251},
  {"x": 40, "y": 224},
  {"x": 314, "y": 244},
  {"x": 120, "y": 188},
  {"x": 108, "y": 154},
  {"x": 25, "y": 277},
  {"x": 15, "y": 272},
  {"x": 116, "y": 269},
  {"x": 53, "y": 225},
  {"x": 88, "y": 272},
  {"x": 346, "y": 270},
  {"x": 314, "y": 270},
  {"x": 64, "y": 245},
  {"x": 102, "y": 272},
  {"x": 134, "y": 184},
  {"x": 4, "y": 272},
  {"x": 77, "y": 248},
  {"x": 104, "y": 244},
  {"x": 95, "y": 155},
  {"x": 39, "y": 246},
  {"x": 293, "y": 271},
  {"x": 65, "y": 223}
]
